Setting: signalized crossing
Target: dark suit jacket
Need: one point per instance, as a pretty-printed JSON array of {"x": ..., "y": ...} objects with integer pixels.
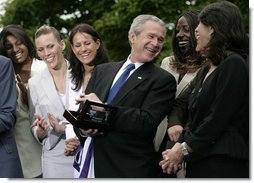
[
  {"x": 144, "y": 100},
  {"x": 218, "y": 120},
  {"x": 9, "y": 158}
]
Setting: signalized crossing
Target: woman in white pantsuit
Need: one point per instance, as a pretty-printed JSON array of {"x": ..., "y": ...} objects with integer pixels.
[{"x": 50, "y": 93}]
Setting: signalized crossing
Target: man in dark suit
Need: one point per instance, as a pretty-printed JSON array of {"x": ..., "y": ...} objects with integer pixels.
[
  {"x": 9, "y": 158},
  {"x": 127, "y": 150}
]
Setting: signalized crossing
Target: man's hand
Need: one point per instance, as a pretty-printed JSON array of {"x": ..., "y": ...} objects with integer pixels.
[
  {"x": 90, "y": 132},
  {"x": 91, "y": 97},
  {"x": 172, "y": 159}
]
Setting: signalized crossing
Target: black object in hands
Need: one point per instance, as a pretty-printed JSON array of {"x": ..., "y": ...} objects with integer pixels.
[{"x": 92, "y": 115}]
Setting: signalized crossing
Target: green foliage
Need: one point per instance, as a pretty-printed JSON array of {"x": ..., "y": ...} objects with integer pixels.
[{"x": 111, "y": 18}]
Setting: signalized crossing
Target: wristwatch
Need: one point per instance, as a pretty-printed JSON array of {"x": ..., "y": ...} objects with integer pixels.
[{"x": 184, "y": 149}]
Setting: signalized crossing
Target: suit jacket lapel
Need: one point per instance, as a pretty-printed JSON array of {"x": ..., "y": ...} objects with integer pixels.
[
  {"x": 184, "y": 82},
  {"x": 109, "y": 78},
  {"x": 50, "y": 90},
  {"x": 139, "y": 76}
]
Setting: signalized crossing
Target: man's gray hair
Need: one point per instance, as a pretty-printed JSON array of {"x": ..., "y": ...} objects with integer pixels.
[{"x": 139, "y": 21}]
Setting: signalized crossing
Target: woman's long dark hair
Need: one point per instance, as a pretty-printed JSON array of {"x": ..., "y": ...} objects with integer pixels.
[
  {"x": 77, "y": 69},
  {"x": 190, "y": 61},
  {"x": 229, "y": 34},
  {"x": 20, "y": 34}
]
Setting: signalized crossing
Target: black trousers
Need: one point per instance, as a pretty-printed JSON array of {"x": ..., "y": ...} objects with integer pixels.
[{"x": 218, "y": 166}]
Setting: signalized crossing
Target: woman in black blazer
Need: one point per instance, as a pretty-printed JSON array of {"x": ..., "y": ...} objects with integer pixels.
[{"x": 216, "y": 140}]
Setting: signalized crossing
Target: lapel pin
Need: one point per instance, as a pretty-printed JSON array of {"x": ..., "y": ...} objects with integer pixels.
[{"x": 139, "y": 77}]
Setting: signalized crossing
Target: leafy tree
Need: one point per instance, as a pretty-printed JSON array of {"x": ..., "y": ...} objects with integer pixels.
[{"x": 111, "y": 18}]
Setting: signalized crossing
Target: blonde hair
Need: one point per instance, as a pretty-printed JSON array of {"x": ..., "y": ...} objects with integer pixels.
[{"x": 46, "y": 29}]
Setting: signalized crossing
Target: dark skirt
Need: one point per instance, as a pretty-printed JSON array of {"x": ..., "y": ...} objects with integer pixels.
[{"x": 218, "y": 166}]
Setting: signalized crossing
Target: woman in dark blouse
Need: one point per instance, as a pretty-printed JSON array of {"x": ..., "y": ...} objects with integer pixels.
[{"x": 216, "y": 140}]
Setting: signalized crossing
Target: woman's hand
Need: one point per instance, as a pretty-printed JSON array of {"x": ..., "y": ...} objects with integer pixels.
[
  {"x": 71, "y": 145},
  {"x": 54, "y": 122},
  {"x": 42, "y": 127},
  {"x": 174, "y": 132},
  {"x": 22, "y": 89}
]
